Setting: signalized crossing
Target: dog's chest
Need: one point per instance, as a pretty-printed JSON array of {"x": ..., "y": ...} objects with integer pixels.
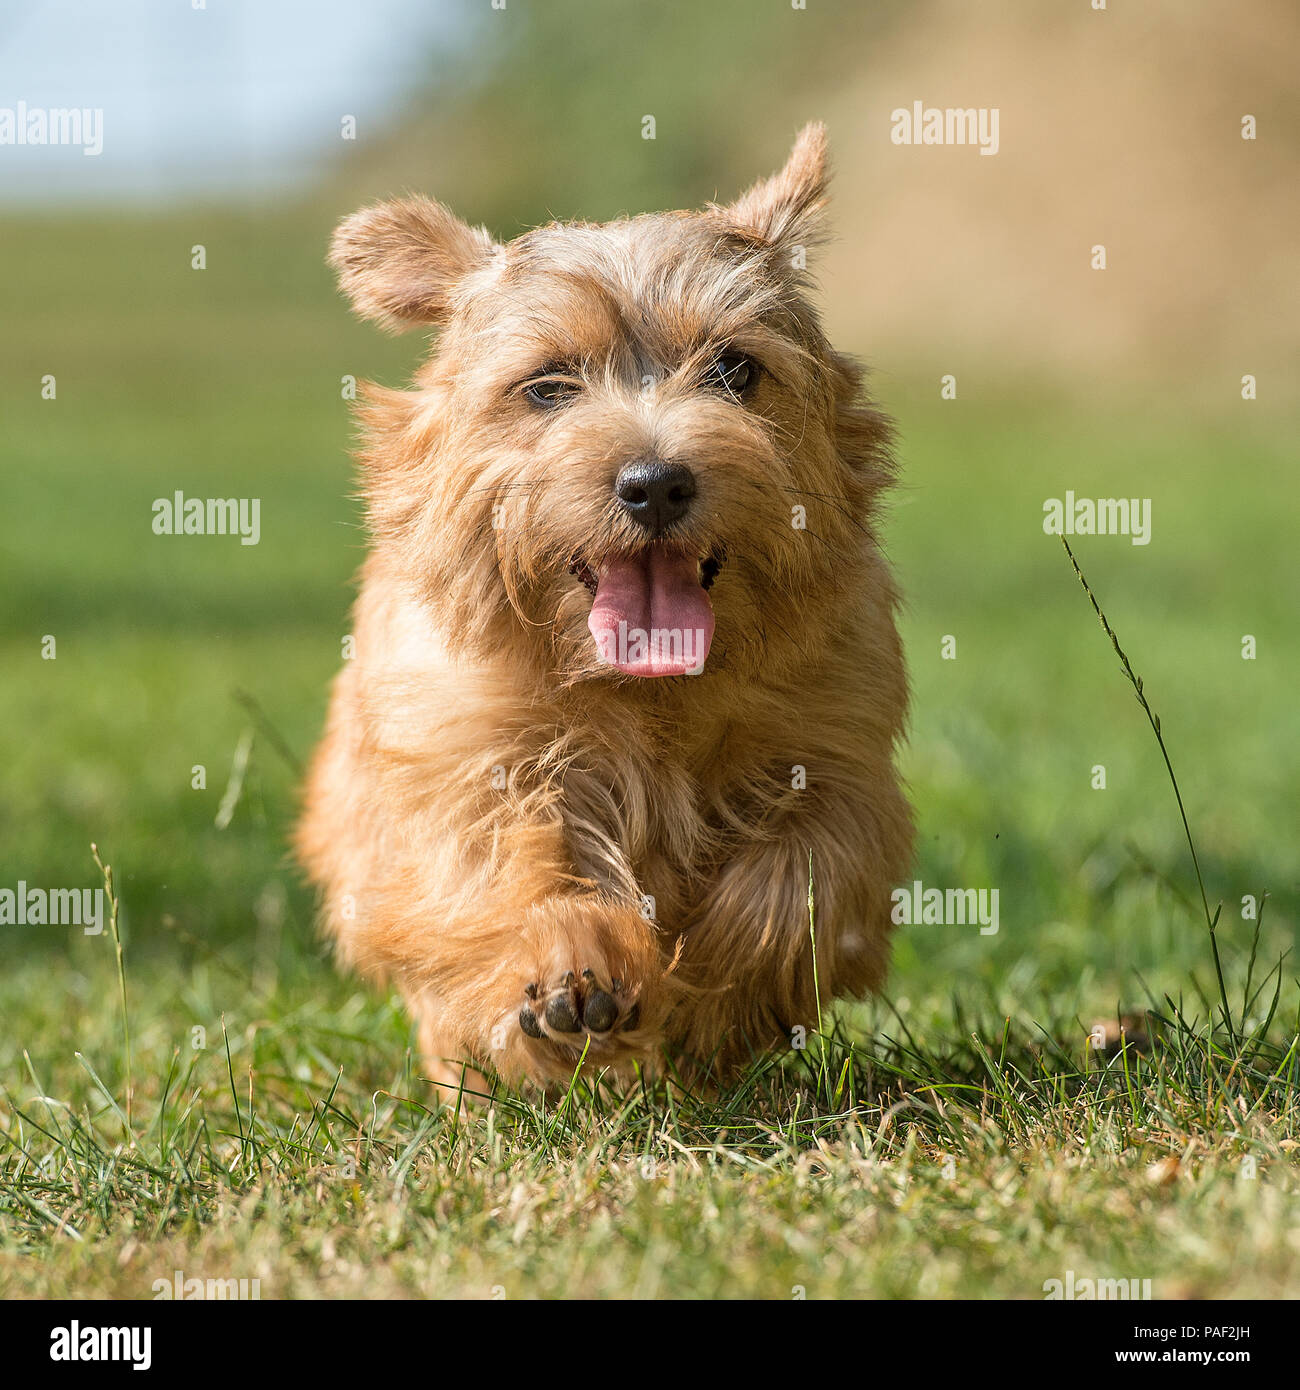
[{"x": 658, "y": 824}]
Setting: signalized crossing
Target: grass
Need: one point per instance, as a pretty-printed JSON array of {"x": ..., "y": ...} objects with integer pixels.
[
  {"x": 929, "y": 1156},
  {"x": 197, "y": 1088}
]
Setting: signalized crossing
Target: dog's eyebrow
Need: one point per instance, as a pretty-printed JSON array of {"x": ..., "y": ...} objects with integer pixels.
[
  {"x": 558, "y": 366},
  {"x": 775, "y": 351},
  {"x": 572, "y": 320},
  {"x": 568, "y": 323}
]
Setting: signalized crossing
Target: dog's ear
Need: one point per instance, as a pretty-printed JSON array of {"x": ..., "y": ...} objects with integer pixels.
[
  {"x": 399, "y": 263},
  {"x": 785, "y": 210}
]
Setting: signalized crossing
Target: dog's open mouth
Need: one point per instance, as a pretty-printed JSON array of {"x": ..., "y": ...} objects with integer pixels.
[{"x": 650, "y": 612}]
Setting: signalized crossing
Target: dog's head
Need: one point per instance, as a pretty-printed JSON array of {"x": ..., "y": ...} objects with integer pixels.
[{"x": 633, "y": 453}]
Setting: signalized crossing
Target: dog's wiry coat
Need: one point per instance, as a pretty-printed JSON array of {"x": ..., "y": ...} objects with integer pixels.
[{"x": 492, "y": 807}]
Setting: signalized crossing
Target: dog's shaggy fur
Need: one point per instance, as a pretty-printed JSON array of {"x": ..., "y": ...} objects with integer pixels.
[{"x": 545, "y": 852}]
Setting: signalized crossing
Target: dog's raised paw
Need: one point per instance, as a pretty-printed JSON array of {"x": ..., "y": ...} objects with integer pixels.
[{"x": 575, "y": 1007}]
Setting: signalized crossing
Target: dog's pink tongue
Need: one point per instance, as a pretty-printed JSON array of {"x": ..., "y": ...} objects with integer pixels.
[{"x": 651, "y": 617}]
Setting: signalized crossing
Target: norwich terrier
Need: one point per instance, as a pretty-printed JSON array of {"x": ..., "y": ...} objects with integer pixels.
[{"x": 618, "y": 737}]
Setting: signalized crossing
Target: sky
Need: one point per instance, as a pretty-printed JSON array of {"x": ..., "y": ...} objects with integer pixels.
[{"x": 235, "y": 96}]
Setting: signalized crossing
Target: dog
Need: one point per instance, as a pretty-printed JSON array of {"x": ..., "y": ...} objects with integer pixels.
[{"x": 613, "y": 763}]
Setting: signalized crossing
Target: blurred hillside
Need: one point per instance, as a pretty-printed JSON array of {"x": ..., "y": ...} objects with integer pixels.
[{"x": 1119, "y": 127}]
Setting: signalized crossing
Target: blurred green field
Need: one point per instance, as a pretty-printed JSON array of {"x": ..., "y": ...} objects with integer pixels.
[{"x": 227, "y": 382}]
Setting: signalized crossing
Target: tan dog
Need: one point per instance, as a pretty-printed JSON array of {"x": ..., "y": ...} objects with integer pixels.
[{"x": 625, "y": 650}]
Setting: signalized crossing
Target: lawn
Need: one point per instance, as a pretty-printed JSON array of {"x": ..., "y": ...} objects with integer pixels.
[{"x": 957, "y": 1138}]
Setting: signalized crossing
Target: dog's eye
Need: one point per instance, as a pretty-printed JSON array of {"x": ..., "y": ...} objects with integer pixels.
[
  {"x": 733, "y": 372},
  {"x": 551, "y": 390}
]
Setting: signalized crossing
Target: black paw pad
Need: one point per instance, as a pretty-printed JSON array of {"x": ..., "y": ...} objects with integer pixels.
[
  {"x": 561, "y": 1015},
  {"x": 528, "y": 1022},
  {"x": 599, "y": 1012}
]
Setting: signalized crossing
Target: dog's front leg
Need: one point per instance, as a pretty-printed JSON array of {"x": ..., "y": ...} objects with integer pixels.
[
  {"x": 530, "y": 984},
  {"x": 751, "y": 943}
]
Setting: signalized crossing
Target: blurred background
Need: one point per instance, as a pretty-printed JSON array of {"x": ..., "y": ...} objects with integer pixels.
[{"x": 229, "y": 126}]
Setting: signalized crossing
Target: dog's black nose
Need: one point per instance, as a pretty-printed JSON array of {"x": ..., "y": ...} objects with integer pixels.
[{"x": 655, "y": 493}]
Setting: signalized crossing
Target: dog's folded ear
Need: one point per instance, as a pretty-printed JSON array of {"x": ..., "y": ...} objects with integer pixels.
[
  {"x": 784, "y": 211},
  {"x": 400, "y": 262}
]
